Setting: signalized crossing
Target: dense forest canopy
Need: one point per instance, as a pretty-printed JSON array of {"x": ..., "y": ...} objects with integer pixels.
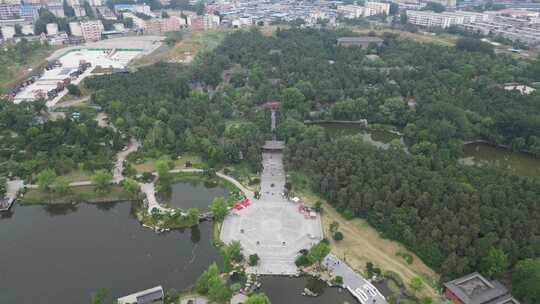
[
  {"x": 450, "y": 215},
  {"x": 30, "y": 143},
  {"x": 458, "y": 94},
  {"x": 157, "y": 106}
]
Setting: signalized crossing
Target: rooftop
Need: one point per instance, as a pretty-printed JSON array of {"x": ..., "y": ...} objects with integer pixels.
[
  {"x": 475, "y": 289},
  {"x": 274, "y": 145},
  {"x": 359, "y": 39}
]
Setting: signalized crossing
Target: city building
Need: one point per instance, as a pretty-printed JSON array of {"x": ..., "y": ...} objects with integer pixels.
[
  {"x": 350, "y": 11},
  {"x": 27, "y": 29},
  {"x": 52, "y": 28},
  {"x": 475, "y": 289},
  {"x": 210, "y": 21},
  {"x": 8, "y": 32},
  {"x": 359, "y": 41},
  {"x": 450, "y": 4},
  {"x": 143, "y": 297},
  {"x": 444, "y": 20},
  {"x": 376, "y": 8},
  {"x": 75, "y": 29},
  {"x": 370, "y": 9},
  {"x": 56, "y": 9},
  {"x": 29, "y": 12},
  {"x": 106, "y": 13},
  {"x": 10, "y": 10},
  {"x": 135, "y": 8},
  {"x": 91, "y": 30}
]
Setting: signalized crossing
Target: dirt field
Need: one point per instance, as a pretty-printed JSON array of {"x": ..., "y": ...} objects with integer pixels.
[
  {"x": 186, "y": 49},
  {"x": 441, "y": 39},
  {"x": 362, "y": 244}
]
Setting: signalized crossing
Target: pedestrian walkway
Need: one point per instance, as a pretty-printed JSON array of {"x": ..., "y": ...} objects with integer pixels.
[
  {"x": 272, "y": 226},
  {"x": 359, "y": 287}
]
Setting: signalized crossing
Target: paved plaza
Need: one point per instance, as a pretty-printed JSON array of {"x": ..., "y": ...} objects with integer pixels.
[{"x": 272, "y": 227}]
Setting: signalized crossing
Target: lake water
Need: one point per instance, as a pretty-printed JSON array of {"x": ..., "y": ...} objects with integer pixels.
[
  {"x": 285, "y": 290},
  {"x": 515, "y": 162},
  {"x": 61, "y": 254},
  {"x": 375, "y": 137},
  {"x": 195, "y": 195}
]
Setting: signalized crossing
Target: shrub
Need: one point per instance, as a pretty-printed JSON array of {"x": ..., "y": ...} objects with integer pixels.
[
  {"x": 253, "y": 259},
  {"x": 338, "y": 280},
  {"x": 302, "y": 261},
  {"x": 338, "y": 236}
]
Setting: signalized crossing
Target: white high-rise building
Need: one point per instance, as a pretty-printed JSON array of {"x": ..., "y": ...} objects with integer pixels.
[
  {"x": 444, "y": 20},
  {"x": 8, "y": 32},
  {"x": 52, "y": 28},
  {"x": 91, "y": 30},
  {"x": 75, "y": 29},
  {"x": 376, "y": 8}
]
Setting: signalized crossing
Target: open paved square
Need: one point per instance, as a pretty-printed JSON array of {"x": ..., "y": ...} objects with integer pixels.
[{"x": 272, "y": 226}]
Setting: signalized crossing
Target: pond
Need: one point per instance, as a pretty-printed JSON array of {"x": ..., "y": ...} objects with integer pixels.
[
  {"x": 376, "y": 137},
  {"x": 186, "y": 195},
  {"x": 515, "y": 162},
  {"x": 289, "y": 290},
  {"x": 63, "y": 253}
]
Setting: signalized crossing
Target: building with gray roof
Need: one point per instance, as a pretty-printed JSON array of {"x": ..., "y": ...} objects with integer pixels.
[{"x": 475, "y": 289}]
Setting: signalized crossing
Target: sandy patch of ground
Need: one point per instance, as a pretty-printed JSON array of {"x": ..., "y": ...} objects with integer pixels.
[{"x": 362, "y": 244}]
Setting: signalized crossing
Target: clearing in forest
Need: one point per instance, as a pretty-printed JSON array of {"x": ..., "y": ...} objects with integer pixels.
[{"x": 362, "y": 244}]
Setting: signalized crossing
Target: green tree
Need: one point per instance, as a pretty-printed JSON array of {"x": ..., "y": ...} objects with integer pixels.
[
  {"x": 526, "y": 281},
  {"x": 494, "y": 264},
  {"x": 162, "y": 168},
  {"x": 68, "y": 10},
  {"x": 46, "y": 179},
  {"x": 61, "y": 186},
  {"x": 218, "y": 291},
  {"x": 258, "y": 298},
  {"x": 253, "y": 259},
  {"x": 318, "y": 252},
  {"x": 293, "y": 99},
  {"x": 131, "y": 187},
  {"x": 219, "y": 209},
  {"x": 434, "y": 6},
  {"x": 202, "y": 285},
  {"x": 192, "y": 216},
  {"x": 3, "y": 186},
  {"x": 102, "y": 180},
  {"x": 73, "y": 90},
  {"x": 337, "y": 236},
  {"x": 416, "y": 284},
  {"x": 172, "y": 296},
  {"x": 99, "y": 296}
]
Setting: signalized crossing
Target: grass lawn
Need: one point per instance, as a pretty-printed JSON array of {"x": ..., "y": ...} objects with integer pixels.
[
  {"x": 12, "y": 74},
  {"x": 78, "y": 176},
  {"x": 242, "y": 173},
  {"x": 149, "y": 165},
  {"x": 86, "y": 194},
  {"x": 362, "y": 243}
]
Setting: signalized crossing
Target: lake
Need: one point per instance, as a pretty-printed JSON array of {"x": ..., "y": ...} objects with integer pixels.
[
  {"x": 376, "y": 137},
  {"x": 186, "y": 195},
  {"x": 62, "y": 253},
  {"x": 285, "y": 290},
  {"x": 518, "y": 163}
]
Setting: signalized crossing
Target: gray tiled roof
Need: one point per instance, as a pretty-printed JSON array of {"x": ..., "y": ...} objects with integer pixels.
[{"x": 475, "y": 289}]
